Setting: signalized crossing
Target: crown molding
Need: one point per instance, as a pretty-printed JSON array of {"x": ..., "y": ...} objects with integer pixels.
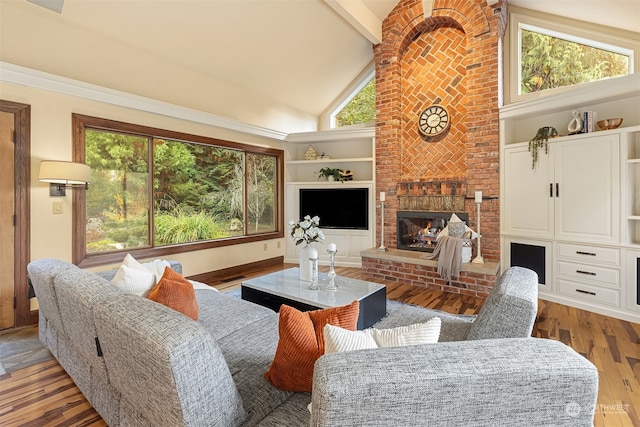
[{"x": 11, "y": 73}]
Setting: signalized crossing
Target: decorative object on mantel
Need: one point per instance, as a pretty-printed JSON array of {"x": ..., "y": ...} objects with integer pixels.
[
  {"x": 323, "y": 156},
  {"x": 539, "y": 141},
  {"x": 306, "y": 231},
  {"x": 332, "y": 174},
  {"x": 607, "y": 124},
  {"x": 434, "y": 196},
  {"x": 310, "y": 154},
  {"x": 575, "y": 125},
  {"x": 478, "y": 259}
]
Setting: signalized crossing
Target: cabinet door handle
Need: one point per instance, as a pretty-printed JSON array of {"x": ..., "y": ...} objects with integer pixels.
[
  {"x": 557, "y": 190},
  {"x": 589, "y": 273},
  {"x": 586, "y": 292},
  {"x": 585, "y": 253},
  {"x": 551, "y": 189}
]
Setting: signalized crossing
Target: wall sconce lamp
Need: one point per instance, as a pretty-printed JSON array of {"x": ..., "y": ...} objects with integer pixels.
[{"x": 64, "y": 175}]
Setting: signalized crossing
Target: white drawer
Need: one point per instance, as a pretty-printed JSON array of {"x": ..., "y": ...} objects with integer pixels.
[
  {"x": 589, "y": 254},
  {"x": 589, "y": 273},
  {"x": 591, "y": 293}
]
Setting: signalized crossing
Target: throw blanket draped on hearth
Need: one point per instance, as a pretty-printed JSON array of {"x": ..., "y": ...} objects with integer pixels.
[{"x": 448, "y": 251}]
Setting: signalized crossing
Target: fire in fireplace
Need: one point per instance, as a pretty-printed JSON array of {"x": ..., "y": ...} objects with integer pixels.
[{"x": 418, "y": 231}]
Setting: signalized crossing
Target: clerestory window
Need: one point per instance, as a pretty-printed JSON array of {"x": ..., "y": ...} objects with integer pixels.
[
  {"x": 355, "y": 106},
  {"x": 360, "y": 109},
  {"x": 548, "y": 56},
  {"x": 154, "y": 191}
]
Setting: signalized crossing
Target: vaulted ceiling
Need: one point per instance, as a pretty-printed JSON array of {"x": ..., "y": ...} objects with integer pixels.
[{"x": 296, "y": 54}]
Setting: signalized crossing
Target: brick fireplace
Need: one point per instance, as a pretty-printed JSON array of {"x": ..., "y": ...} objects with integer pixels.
[{"x": 451, "y": 58}]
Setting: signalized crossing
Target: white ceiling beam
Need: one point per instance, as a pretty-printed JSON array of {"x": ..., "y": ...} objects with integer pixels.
[
  {"x": 427, "y": 8},
  {"x": 356, "y": 13}
]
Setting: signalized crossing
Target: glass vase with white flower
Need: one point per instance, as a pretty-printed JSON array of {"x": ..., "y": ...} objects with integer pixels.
[{"x": 306, "y": 231}]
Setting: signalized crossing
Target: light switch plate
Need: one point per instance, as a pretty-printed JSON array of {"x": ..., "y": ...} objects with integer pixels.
[{"x": 57, "y": 207}]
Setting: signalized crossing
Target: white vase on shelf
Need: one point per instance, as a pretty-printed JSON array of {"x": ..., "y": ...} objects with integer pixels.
[{"x": 305, "y": 263}]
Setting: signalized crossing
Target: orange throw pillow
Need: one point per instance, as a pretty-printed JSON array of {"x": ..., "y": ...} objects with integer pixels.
[
  {"x": 175, "y": 292},
  {"x": 301, "y": 343}
]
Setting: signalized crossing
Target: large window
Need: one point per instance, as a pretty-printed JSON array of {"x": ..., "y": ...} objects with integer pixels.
[
  {"x": 549, "y": 56},
  {"x": 154, "y": 191}
]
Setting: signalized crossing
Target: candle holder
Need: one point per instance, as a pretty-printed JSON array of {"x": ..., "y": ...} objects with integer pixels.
[
  {"x": 382, "y": 247},
  {"x": 478, "y": 259},
  {"x": 314, "y": 274},
  {"x": 332, "y": 272}
]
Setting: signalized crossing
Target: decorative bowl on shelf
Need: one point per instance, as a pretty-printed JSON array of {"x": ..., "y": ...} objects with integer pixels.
[{"x": 609, "y": 123}]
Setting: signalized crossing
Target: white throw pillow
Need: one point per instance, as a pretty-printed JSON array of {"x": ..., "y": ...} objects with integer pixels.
[
  {"x": 133, "y": 280},
  {"x": 337, "y": 339},
  {"x": 157, "y": 267},
  {"x": 134, "y": 277},
  {"x": 138, "y": 278}
]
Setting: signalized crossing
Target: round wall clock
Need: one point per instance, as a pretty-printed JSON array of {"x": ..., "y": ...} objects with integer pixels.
[{"x": 434, "y": 120}]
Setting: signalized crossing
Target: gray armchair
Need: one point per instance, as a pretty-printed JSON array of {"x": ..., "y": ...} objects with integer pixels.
[{"x": 486, "y": 371}]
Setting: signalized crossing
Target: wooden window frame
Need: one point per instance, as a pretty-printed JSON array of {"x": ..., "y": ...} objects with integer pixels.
[{"x": 80, "y": 256}]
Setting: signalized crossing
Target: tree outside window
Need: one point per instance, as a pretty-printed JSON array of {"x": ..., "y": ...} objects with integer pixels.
[
  {"x": 361, "y": 108},
  {"x": 149, "y": 191},
  {"x": 549, "y": 62}
]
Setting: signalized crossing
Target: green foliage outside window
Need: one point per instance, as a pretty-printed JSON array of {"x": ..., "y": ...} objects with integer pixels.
[
  {"x": 197, "y": 192},
  {"x": 549, "y": 62},
  {"x": 361, "y": 108}
]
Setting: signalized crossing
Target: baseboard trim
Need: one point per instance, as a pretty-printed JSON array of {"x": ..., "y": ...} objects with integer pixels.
[{"x": 238, "y": 270}]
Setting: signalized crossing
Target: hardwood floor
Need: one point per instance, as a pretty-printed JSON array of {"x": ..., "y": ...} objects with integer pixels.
[{"x": 44, "y": 395}]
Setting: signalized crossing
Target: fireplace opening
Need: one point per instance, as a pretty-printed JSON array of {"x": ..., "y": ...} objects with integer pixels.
[{"x": 418, "y": 231}]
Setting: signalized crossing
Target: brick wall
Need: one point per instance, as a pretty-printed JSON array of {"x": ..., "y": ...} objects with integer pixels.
[
  {"x": 473, "y": 283},
  {"x": 451, "y": 58}
]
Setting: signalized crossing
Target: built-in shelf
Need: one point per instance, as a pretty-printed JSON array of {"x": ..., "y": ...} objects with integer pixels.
[
  {"x": 349, "y": 149},
  {"x": 336, "y": 184},
  {"x": 332, "y": 160}
]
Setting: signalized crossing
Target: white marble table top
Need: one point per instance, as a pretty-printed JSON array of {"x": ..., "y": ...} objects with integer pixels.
[{"x": 287, "y": 284}]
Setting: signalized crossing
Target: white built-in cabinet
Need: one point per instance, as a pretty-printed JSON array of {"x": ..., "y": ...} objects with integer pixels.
[
  {"x": 572, "y": 193},
  {"x": 575, "y": 216},
  {"x": 346, "y": 149}
]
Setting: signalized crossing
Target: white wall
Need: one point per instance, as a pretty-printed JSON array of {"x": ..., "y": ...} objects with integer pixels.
[{"x": 51, "y": 139}]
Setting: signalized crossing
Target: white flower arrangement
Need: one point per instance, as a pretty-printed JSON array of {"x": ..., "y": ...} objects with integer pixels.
[{"x": 306, "y": 230}]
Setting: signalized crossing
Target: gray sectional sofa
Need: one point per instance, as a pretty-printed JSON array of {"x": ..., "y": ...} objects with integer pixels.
[{"x": 140, "y": 363}]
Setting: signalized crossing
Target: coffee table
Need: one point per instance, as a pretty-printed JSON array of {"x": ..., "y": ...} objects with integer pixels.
[{"x": 285, "y": 287}]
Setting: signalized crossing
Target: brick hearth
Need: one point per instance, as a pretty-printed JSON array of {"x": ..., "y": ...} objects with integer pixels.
[{"x": 410, "y": 268}]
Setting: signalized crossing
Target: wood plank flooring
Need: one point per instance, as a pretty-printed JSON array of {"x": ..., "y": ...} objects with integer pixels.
[{"x": 44, "y": 395}]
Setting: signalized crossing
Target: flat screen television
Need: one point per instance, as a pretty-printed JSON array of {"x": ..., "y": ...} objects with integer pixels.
[{"x": 345, "y": 208}]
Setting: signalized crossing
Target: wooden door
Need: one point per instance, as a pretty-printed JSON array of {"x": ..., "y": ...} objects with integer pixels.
[
  {"x": 18, "y": 248},
  {"x": 7, "y": 212}
]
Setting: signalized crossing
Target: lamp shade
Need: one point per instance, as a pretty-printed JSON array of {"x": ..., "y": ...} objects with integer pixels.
[{"x": 67, "y": 173}]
